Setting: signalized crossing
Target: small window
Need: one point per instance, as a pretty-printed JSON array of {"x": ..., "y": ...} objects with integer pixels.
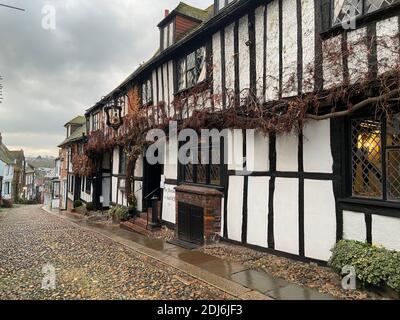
[
  {"x": 122, "y": 161},
  {"x": 88, "y": 185},
  {"x": 191, "y": 69},
  {"x": 204, "y": 173},
  {"x": 376, "y": 158},
  {"x": 147, "y": 93},
  {"x": 96, "y": 122},
  {"x": 344, "y": 11}
]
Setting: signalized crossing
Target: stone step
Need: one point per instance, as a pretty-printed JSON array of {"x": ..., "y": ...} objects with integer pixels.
[{"x": 127, "y": 225}]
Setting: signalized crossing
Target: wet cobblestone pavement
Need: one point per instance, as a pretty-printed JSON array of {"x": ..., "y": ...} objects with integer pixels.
[{"x": 88, "y": 265}]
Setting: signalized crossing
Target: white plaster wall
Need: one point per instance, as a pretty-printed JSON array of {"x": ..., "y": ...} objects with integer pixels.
[
  {"x": 160, "y": 86},
  {"x": 388, "y": 44},
  {"x": 171, "y": 161},
  {"x": 259, "y": 27},
  {"x": 217, "y": 71},
  {"x": 115, "y": 161},
  {"x": 287, "y": 146},
  {"x": 235, "y": 208},
  {"x": 386, "y": 232},
  {"x": 319, "y": 219},
  {"x": 169, "y": 204},
  {"x": 155, "y": 85},
  {"x": 139, "y": 167},
  {"x": 257, "y": 221},
  {"x": 235, "y": 150},
  {"x": 272, "y": 92},
  {"x": 244, "y": 57},
  {"x": 332, "y": 68},
  {"x": 165, "y": 84},
  {"x": 317, "y": 153},
  {"x": 358, "y": 56},
  {"x": 308, "y": 26},
  {"x": 171, "y": 87},
  {"x": 286, "y": 215},
  {"x": 139, "y": 194},
  {"x": 257, "y": 152},
  {"x": 354, "y": 226},
  {"x": 114, "y": 184},
  {"x": 229, "y": 59},
  {"x": 289, "y": 49}
]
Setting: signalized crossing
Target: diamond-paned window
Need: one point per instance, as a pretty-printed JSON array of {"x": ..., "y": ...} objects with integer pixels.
[
  {"x": 376, "y": 158},
  {"x": 191, "y": 69},
  {"x": 208, "y": 169},
  {"x": 344, "y": 11}
]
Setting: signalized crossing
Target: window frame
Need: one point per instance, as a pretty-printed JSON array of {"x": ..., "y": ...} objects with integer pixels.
[
  {"x": 222, "y": 168},
  {"x": 149, "y": 100},
  {"x": 96, "y": 121},
  {"x": 329, "y": 14},
  {"x": 186, "y": 70},
  {"x": 122, "y": 168},
  {"x": 384, "y": 148}
]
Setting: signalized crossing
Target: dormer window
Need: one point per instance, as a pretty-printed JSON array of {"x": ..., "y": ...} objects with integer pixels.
[
  {"x": 221, "y": 4},
  {"x": 167, "y": 36},
  {"x": 191, "y": 69},
  {"x": 147, "y": 93}
]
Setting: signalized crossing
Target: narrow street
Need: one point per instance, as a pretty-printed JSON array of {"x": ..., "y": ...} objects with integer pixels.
[{"x": 87, "y": 264}]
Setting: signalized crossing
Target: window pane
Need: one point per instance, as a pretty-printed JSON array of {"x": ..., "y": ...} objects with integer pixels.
[
  {"x": 345, "y": 10},
  {"x": 393, "y": 175},
  {"x": 373, "y": 5},
  {"x": 189, "y": 173},
  {"x": 181, "y": 74},
  {"x": 366, "y": 158},
  {"x": 191, "y": 61},
  {"x": 393, "y": 131},
  {"x": 201, "y": 71}
]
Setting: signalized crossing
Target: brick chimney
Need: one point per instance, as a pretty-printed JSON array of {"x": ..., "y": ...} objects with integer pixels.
[{"x": 166, "y": 13}]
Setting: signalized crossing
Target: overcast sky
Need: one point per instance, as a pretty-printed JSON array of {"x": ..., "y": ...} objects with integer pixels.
[{"x": 50, "y": 76}]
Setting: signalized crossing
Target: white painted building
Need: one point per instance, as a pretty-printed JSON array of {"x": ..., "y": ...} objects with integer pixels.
[{"x": 336, "y": 178}]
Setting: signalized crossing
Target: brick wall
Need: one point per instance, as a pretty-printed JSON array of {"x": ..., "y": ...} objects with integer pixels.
[{"x": 207, "y": 198}]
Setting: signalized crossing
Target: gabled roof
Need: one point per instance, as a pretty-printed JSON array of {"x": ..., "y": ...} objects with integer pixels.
[
  {"x": 5, "y": 154},
  {"x": 190, "y": 12},
  {"x": 77, "y": 135},
  {"x": 76, "y": 120}
]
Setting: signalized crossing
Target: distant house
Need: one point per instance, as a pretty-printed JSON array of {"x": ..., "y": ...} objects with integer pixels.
[
  {"x": 11, "y": 172},
  {"x": 72, "y": 186},
  {"x": 30, "y": 189},
  {"x": 6, "y": 162}
]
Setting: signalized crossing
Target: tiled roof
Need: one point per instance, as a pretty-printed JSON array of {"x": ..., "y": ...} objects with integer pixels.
[
  {"x": 77, "y": 120},
  {"x": 77, "y": 135},
  {"x": 5, "y": 155}
]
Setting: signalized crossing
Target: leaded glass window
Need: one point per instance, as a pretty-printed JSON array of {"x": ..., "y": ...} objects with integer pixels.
[
  {"x": 191, "y": 69},
  {"x": 344, "y": 11},
  {"x": 147, "y": 93},
  {"x": 376, "y": 158}
]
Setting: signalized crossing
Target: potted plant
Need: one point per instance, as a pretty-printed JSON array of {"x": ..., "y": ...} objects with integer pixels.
[{"x": 132, "y": 208}]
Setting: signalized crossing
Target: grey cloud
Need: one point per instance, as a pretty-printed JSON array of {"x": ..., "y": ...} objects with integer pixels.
[{"x": 51, "y": 76}]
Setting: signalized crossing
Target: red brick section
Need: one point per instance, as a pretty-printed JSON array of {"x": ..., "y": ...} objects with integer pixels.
[{"x": 207, "y": 198}]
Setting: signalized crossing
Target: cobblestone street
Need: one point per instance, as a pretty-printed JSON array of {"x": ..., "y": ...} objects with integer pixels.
[{"x": 88, "y": 265}]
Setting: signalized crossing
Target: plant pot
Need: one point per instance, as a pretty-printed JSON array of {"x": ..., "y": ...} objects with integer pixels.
[{"x": 132, "y": 212}]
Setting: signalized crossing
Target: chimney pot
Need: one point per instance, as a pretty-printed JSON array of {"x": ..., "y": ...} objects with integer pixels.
[{"x": 166, "y": 13}]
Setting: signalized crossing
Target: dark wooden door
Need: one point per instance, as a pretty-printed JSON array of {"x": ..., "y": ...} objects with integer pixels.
[{"x": 190, "y": 223}]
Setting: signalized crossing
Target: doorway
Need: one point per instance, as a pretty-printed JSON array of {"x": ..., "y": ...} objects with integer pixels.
[{"x": 151, "y": 182}]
